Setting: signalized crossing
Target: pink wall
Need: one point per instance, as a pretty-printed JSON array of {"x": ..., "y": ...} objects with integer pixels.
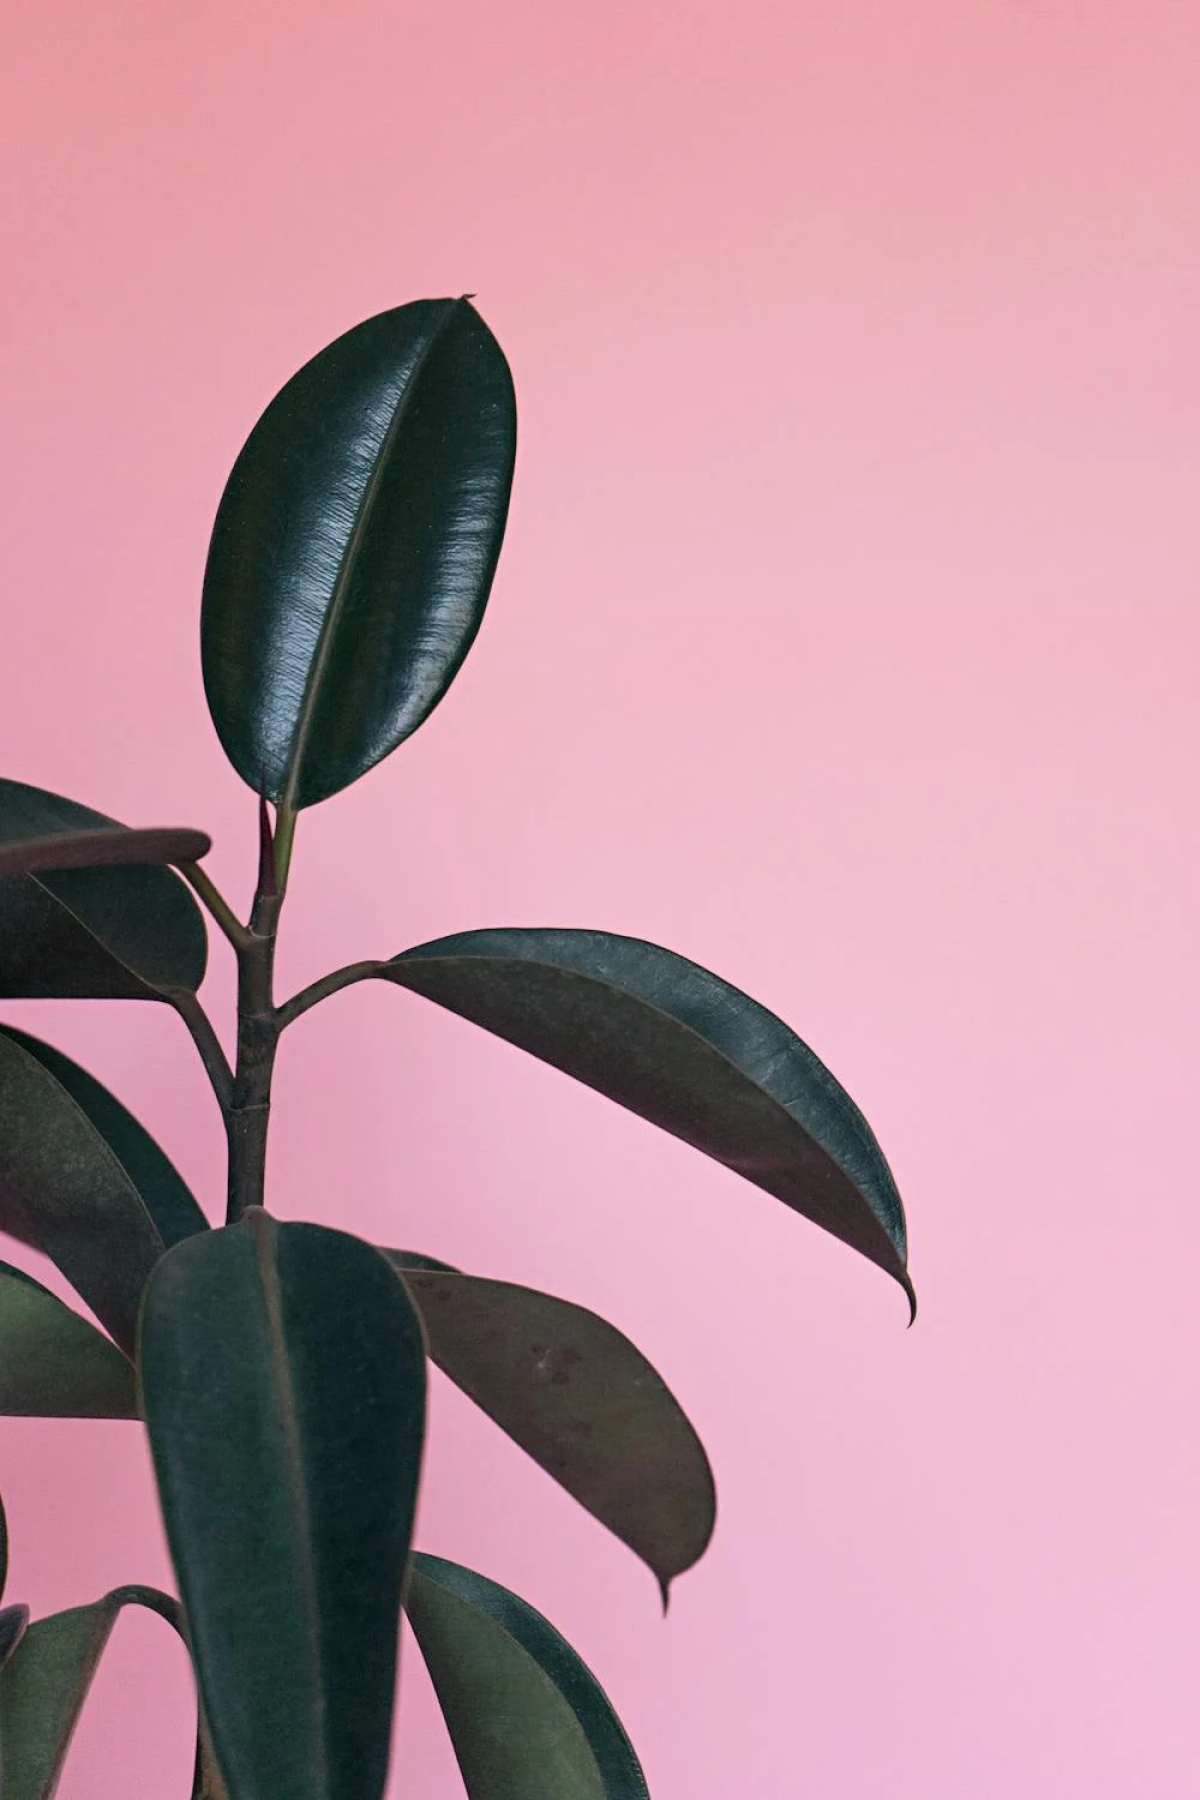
[{"x": 845, "y": 639}]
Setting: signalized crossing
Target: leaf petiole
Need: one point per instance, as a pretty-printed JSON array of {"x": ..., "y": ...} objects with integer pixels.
[
  {"x": 328, "y": 984},
  {"x": 207, "y": 891},
  {"x": 212, "y": 1054}
]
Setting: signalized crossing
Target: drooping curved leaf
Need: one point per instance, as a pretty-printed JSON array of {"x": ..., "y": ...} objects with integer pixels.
[
  {"x": 44, "y": 1684},
  {"x": 64, "y": 1191},
  {"x": 685, "y": 1050},
  {"x": 354, "y": 548},
  {"x": 527, "y": 1719},
  {"x": 53, "y": 1364},
  {"x": 581, "y": 1400},
  {"x": 283, "y": 1388},
  {"x": 165, "y": 1194},
  {"x": 109, "y": 846},
  {"x": 128, "y": 932}
]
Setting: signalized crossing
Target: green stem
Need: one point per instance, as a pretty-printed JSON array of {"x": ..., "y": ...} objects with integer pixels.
[
  {"x": 249, "y": 1111},
  {"x": 328, "y": 984},
  {"x": 212, "y": 1055},
  {"x": 284, "y": 837},
  {"x": 216, "y": 903},
  {"x": 244, "y": 1091}
]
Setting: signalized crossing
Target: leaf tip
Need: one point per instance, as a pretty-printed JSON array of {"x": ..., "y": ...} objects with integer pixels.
[
  {"x": 911, "y": 1291},
  {"x": 664, "y": 1589}
]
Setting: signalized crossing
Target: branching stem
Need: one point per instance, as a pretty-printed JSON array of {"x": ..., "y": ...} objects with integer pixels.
[{"x": 244, "y": 1091}]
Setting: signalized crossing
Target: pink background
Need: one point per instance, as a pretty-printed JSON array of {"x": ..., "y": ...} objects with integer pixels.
[{"x": 845, "y": 640}]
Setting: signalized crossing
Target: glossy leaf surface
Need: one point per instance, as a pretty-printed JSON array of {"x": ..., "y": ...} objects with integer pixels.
[
  {"x": 283, "y": 1388},
  {"x": 109, "y": 846},
  {"x": 527, "y": 1719},
  {"x": 164, "y": 1193},
  {"x": 354, "y": 548},
  {"x": 45, "y": 1683},
  {"x": 53, "y": 1364},
  {"x": 117, "y": 933},
  {"x": 581, "y": 1400},
  {"x": 64, "y": 1191},
  {"x": 682, "y": 1048}
]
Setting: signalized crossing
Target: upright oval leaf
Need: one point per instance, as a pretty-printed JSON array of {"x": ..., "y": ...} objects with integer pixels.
[
  {"x": 283, "y": 1388},
  {"x": 164, "y": 1193},
  {"x": 45, "y": 1682},
  {"x": 575, "y": 1394},
  {"x": 684, "y": 1049},
  {"x": 527, "y": 1719},
  {"x": 354, "y": 548},
  {"x": 53, "y": 1364},
  {"x": 123, "y": 932},
  {"x": 66, "y": 1193}
]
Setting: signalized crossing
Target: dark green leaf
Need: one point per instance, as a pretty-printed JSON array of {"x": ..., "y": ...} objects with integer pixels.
[
  {"x": 354, "y": 548},
  {"x": 584, "y": 1403},
  {"x": 53, "y": 1364},
  {"x": 13, "y": 1623},
  {"x": 109, "y": 846},
  {"x": 63, "y": 1191},
  {"x": 528, "y": 1721},
  {"x": 283, "y": 1388},
  {"x": 682, "y": 1048},
  {"x": 3, "y": 1549},
  {"x": 45, "y": 1683},
  {"x": 166, "y": 1195},
  {"x": 115, "y": 933}
]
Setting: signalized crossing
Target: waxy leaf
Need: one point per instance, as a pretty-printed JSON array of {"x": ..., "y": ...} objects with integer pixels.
[
  {"x": 53, "y": 1364},
  {"x": 64, "y": 1191},
  {"x": 682, "y": 1048},
  {"x": 165, "y": 1194},
  {"x": 354, "y": 549},
  {"x": 283, "y": 1388},
  {"x": 584, "y": 1403},
  {"x": 527, "y": 1719},
  {"x": 44, "y": 1684},
  {"x": 124, "y": 932},
  {"x": 109, "y": 846}
]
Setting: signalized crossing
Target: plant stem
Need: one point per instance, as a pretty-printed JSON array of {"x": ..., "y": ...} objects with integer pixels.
[
  {"x": 207, "y": 1042},
  {"x": 244, "y": 1092},
  {"x": 328, "y": 984},
  {"x": 216, "y": 903},
  {"x": 285, "y": 832},
  {"x": 248, "y": 1114}
]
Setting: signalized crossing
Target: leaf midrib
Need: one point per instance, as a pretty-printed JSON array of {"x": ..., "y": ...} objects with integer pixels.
[
  {"x": 265, "y": 1245},
  {"x": 346, "y": 568}
]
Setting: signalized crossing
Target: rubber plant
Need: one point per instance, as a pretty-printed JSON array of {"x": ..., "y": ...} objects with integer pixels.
[{"x": 279, "y": 1368}]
